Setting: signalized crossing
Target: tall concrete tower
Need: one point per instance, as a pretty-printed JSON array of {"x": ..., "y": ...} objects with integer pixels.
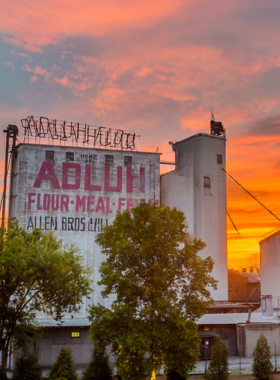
[{"x": 197, "y": 187}]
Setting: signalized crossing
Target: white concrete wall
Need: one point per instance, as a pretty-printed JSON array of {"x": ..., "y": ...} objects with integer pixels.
[
  {"x": 270, "y": 267},
  {"x": 204, "y": 208},
  {"x": 75, "y": 225},
  {"x": 252, "y": 332}
]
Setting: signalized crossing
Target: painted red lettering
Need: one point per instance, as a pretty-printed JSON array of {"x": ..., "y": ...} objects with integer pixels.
[
  {"x": 64, "y": 203},
  {"x": 129, "y": 203},
  {"x": 129, "y": 180},
  {"x": 47, "y": 173},
  {"x": 142, "y": 180},
  {"x": 121, "y": 203},
  {"x": 30, "y": 200},
  {"x": 65, "y": 167},
  {"x": 107, "y": 186},
  {"x": 80, "y": 202},
  {"x": 88, "y": 185},
  {"x": 100, "y": 205},
  {"x": 108, "y": 211},
  {"x": 55, "y": 204},
  {"x": 47, "y": 202},
  {"x": 90, "y": 201},
  {"x": 39, "y": 207}
]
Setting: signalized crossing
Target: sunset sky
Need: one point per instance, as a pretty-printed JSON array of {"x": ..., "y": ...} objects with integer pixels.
[{"x": 157, "y": 68}]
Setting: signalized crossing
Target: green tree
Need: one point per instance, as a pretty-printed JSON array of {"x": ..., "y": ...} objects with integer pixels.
[
  {"x": 161, "y": 286},
  {"x": 63, "y": 368},
  {"x": 27, "y": 368},
  {"x": 173, "y": 374},
  {"x": 218, "y": 368},
  {"x": 98, "y": 368},
  {"x": 36, "y": 274},
  {"x": 262, "y": 365}
]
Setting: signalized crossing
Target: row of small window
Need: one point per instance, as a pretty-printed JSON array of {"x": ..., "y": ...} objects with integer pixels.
[{"x": 69, "y": 156}]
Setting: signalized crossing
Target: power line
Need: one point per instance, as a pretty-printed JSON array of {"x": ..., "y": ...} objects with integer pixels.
[
  {"x": 248, "y": 192},
  {"x": 234, "y": 225}
]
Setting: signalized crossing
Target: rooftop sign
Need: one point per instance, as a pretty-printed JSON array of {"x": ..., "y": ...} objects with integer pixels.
[{"x": 63, "y": 131}]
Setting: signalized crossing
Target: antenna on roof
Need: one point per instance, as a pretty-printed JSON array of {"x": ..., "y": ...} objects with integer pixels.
[{"x": 216, "y": 127}]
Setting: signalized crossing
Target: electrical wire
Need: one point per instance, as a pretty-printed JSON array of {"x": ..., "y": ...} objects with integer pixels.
[
  {"x": 234, "y": 225},
  {"x": 248, "y": 192}
]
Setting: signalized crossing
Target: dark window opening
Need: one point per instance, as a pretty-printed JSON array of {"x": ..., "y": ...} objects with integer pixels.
[
  {"x": 69, "y": 156},
  {"x": 109, "y": 159},
  {"x": 219, "y": 159},
  {"x": 207, "y": 182},
  {"x": 127, "y": 160},
  {"x": 49, "y": 155}
]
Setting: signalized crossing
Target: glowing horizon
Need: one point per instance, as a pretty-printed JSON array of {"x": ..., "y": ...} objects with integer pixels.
[{"x": 157, "y": 68}]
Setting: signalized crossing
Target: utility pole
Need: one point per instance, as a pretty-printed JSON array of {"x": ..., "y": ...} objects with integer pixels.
[
  {"x": 275, "y": 357},
  {"x": 12, "y": 132}
]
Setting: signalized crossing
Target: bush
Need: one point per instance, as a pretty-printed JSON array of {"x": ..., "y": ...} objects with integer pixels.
[
  {"x": 2, "y": 374},
  {"x": 63, "y": 368},
  {"x": 27, "y": 368},
  {"x": 218, "y": 368},
  {"x": 99, "y": 368},
  {"x": 262, "y": 365},
  {"x": 173, "y": 374}
]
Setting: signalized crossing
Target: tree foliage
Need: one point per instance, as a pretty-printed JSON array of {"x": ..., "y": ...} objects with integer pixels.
[
  {"x": 218, "y": 368},
  {"x": 173, "y": 374},
  {"x": 36, "y": 274},
  {"x": 98, "y": 368},
  {"x": 63, "y": 368},
  {"x": 262, "y": 366},
  {"x": 161, "y": 286},
  {"x": 27, "y": 368}
]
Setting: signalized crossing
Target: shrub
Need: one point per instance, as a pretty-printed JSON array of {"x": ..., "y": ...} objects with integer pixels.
[
  {"x": 2, "y": 374},
  {"x": 63, "y": 368},
  {"x": 262, "y": 365},
  {"x": 218, "y": 368},
  {"x": 99, "y": 368},
  {"x": 173, "y": 374},
  {"x": 27, "y": 368}
]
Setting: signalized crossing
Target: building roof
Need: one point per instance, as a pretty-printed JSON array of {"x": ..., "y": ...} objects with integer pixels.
[
  {"x": 252, "y": 277},
  {"x": 65, "y": 322},
  {"x": 207, "y": 319},
  {"x": 197, "y": 135},
  {"x": 87, "y": 148},
  {"x": 270, "y": 235},
  {"x": 234, "y": 318}
]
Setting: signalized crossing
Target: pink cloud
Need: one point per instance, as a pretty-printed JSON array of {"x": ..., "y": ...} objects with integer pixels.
[
  {"x": 9, "y": 64},
  {"x": 63, "y": 81},
  {"x": 37, "y": 70}
]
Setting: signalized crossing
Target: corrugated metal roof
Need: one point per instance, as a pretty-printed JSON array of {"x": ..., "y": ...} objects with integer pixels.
[
  {"x": 234, "y": 318},
  {"x": 207, "y": 319},
  {"x": 65, "y": 322}
]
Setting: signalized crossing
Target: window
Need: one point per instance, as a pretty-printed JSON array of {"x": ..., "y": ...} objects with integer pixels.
[
  {"x": 207, "y": 182},
  {"x": 127, "y": 160},
  {"x": 109, "y": 159},
  {"x": 75, "y": 334},
  {"x": 69, "y": 156},
  {"x": 219, "y": 159},
  {"x": 49, "y": 155}
]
